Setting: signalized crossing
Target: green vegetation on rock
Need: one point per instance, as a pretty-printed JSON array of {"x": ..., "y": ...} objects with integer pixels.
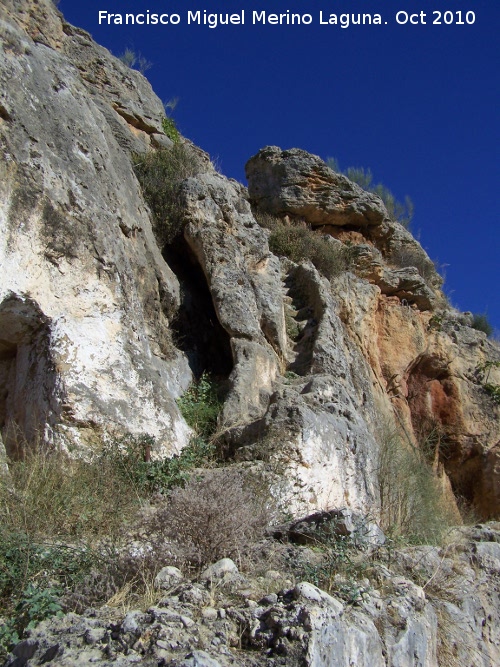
[
  {"x": 481, "y": 323},
  {"x": 160, "y": 174},
  {"x": 299, "y": 242}
]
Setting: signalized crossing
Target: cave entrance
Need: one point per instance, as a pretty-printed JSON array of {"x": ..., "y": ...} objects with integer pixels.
[
  {"x": 196, "y": 328},
  {"x": 27, "y": 376}
]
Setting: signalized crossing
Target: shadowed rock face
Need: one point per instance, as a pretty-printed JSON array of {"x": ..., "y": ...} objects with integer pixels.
[{"x": 28, "y": 380}]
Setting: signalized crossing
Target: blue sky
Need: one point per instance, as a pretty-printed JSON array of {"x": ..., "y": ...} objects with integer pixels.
[{"x": 418, "y": 104}]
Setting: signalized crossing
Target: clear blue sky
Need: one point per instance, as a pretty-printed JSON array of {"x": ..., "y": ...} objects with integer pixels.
[{"x": 418, "y": 104}]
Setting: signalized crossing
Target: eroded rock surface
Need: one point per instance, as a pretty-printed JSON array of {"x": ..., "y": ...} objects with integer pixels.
[
  {"x": 244, "y": 281},
  {"x": 317, "y": 369},
  {"x": 85, "y": 295},
  {"x": 298, "y": 183},
  {"x": 315, "y": 366},
  {"x": 397, "y": 348}
]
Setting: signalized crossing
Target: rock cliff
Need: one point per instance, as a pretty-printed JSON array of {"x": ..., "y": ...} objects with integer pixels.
[
  {"x": 85, "y": 294},
  {"x": 323, "y": 354},
  {"x": 89, "y": 299}
]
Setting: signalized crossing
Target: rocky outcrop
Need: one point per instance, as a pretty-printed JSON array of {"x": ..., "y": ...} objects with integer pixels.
[
  {"x": 244, "y": 282},
  {"x": 85, "y": 296},
  {"x": 102, "y": 328},
  {"x": 315, "y": 366},
  {"x": 298, "y": 183},
  {"x": 86, "y": 304},
  {"x": 428, "y": 366},
  {"x": 412, "y": 356}
]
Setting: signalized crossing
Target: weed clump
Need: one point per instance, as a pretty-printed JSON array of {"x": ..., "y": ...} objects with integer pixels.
[
  {"x": 201, "y": 405},
  {"x": 405, "y": 256},
  {"x": 160, "y": 174},
  {"x": 299, "y": 242},
  {"x": 341, "y": 564},
  {"x": 214, "y": 515},
  {"x": 401, "y": 212},
  {"x": 413, "y": 506},
  {"x": 480, "y": 322},
  {"x": 135, "y": 61}
]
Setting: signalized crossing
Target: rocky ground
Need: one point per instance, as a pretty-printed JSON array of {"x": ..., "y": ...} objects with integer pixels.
[{"x": 417, "y": 605}]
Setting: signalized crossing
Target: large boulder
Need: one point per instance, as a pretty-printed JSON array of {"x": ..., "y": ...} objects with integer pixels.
[{"x": 298, "y": 183}]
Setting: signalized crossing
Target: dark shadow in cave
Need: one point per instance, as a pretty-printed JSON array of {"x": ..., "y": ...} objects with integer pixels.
[
  {"x": 196, "y": 328},
  {"x": 27, "y": 375}
]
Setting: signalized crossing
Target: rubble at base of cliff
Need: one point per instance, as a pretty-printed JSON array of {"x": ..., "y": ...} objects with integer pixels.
[{"x": 429, "y": 602}]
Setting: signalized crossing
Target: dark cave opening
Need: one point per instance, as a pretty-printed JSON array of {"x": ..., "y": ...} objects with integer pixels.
[
  {"x": 196, "y": 328},
  {"x": 27, "y": 375}
]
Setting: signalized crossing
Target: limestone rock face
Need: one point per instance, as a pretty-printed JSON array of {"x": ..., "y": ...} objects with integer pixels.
[
  {"x": 85, "y": 294},
  {"x": 315, "y": 367},
  {"x": 245, "y": 285},
  {"x": 299, "y": 183},
  {"x": 320, "y": 421},
  {"x": 429, "y": 367},
  {"x": 383, "y": 331},
  {"x": 101, "y": 330}
]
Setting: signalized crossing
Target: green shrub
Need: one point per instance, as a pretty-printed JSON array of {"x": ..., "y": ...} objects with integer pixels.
[
  {"x": 37, "y": 604},
  {"x": 363, "y": 177},
  {"x": 26, "y": 560},
  {"x": 201, "y": 405},
  {"x": 148, "y": 476},
  {"x": 170, "y": 129},
  {"x": 299, "y": 242},
  {"x": 401, "y": 212},
  {"x": 493, "y": 390},
  {"x": 481, "y": 323},
  {"x": 33, "y": 577},
  {"x": 9, "y": 637},
  {"x": 160, "y": 174}
]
